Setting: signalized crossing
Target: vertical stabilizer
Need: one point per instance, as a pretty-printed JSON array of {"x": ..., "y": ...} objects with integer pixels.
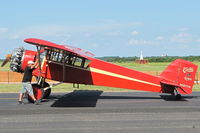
[{"x": 181, "y": 75}]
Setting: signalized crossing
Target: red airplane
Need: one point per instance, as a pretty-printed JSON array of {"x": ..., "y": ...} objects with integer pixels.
[{"x": 68, "y": 64}]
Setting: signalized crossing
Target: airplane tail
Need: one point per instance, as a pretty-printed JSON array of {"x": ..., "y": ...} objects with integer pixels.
[{"x": 179, "y": 75}]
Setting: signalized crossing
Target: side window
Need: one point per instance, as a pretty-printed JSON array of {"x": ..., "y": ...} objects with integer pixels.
[
  {"x": 86, "y": 63},
  {"x": 59, "y": 56},
  {"x": 55, "y": 55},
  {"x": 78, "y": 61}
]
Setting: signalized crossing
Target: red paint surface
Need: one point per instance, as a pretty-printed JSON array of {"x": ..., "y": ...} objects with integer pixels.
[
  {"x": 180, "y": 73},
  {"x": 28, "y": 56},
  {"x": 172, "y": 77}
]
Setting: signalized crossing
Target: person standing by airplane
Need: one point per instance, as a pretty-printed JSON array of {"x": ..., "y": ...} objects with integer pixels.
[{"x": 26, "y": 83}]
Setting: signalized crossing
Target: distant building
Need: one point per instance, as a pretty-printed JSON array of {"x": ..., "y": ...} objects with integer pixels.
[
  {"x": 164, "y": 55},
  {"x": 141, "y": 60}
]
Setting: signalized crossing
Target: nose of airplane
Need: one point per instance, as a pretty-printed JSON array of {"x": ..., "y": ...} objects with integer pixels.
[
  {"x": 16, "y": 59},
  {"x": 28, "y": 55},
  {"x": 19, "y": 59}
]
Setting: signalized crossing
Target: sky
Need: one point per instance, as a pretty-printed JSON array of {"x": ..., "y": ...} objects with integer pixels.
[{"x": 104, "y": 27}]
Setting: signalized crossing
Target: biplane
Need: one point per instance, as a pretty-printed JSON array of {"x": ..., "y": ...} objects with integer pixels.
[{"x": 68, "y": 64}]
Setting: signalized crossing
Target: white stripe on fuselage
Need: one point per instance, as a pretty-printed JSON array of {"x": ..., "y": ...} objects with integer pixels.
[{"x": 120, "y": 76}]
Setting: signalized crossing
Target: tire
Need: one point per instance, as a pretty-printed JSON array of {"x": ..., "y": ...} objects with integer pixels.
[
  {"x": 47, "y": 92},
  {"x": 38, "y": 93},
  {"x": 178, "y": 96}
]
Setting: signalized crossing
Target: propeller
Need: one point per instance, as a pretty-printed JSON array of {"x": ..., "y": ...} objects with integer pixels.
[{"x": 8, "y": 58}]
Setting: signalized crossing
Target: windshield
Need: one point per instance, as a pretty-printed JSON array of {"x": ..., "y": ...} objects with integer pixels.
[{"x": 42, "y": 55}]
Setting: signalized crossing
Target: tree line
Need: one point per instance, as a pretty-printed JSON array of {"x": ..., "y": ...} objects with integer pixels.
[{"x": 150, "y": 59}]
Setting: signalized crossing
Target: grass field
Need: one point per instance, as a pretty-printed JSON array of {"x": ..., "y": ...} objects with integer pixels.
[
  {"x": 131, "y": 65},
  {"x": 144, "y": 67},
  {"x": 68, "y": 87},
  {"x": 149, "y": 67}
]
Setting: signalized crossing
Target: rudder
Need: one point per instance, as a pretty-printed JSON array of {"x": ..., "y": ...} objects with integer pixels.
[{"x": 180, "y": 74}]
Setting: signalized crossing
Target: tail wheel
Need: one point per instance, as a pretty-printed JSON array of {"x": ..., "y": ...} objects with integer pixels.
[
  {"x": 47, "y": 92},
  {"x": 38, "y": 93},
  {"x": 177, "y": 95}
]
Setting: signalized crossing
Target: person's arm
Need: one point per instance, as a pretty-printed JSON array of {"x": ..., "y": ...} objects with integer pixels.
[{"x": 35, "y": 65}]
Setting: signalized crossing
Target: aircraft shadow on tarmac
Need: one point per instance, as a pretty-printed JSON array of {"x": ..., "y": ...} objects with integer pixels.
[
  {"x": 77, "y": 98},
  {"x": 89, "y": 98},
  {"x": 173, "y": 98}
]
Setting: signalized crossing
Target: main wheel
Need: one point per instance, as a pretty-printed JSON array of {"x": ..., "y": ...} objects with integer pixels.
[
  {"x": 38, "y": 93},
  {"x": 47, "y": 92}
]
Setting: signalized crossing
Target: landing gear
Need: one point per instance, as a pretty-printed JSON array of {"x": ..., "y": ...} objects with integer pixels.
[
  {"x": 45, "y": 86},
  {"x": 40, "y": 92},
  {"x": 47, "y": 90},
  {"x": 177, "y": 95}
]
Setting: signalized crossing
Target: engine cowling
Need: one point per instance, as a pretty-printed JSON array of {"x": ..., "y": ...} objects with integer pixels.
[{"x": 16, "y": 60}]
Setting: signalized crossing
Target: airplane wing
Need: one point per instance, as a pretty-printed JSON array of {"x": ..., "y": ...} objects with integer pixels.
[{"x": 43, "y": 43}]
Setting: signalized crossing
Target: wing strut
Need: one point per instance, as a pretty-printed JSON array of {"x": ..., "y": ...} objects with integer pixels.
[
  {"x": 40, "y": 80},
  {"x": 64, "y": 69},
  {"x": 39, "y": 61}
]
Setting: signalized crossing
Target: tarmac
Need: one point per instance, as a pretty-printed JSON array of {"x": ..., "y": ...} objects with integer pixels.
[{"x": 101, "y": 112}]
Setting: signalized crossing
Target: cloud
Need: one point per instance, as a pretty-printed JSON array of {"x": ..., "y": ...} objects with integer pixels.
[
  {"x": 94, "y": 45},
  {"x": 37, "y": 31},
  {"x": 140, "y": 42},
  {"x": 103, "y": 27},
  {"x": 14, "y": 36},
  {"x": 3, "y": 33},
  {"x": 135, "y": 24},
  {"x": 198, "y": 40},
  {"x": 134, "y": 33},
  {"x": 183, "y": 29},
  {"x": 159, "y": 38},
  {"x": 181, "y": 37},
  {"x": 3, "y": 30},
  {"x": 87, "y": 34},
  {"x": 114, "y": 33}
]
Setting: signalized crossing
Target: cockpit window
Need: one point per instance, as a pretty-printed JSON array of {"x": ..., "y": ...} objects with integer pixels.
[{"x": 65, "y": 57}]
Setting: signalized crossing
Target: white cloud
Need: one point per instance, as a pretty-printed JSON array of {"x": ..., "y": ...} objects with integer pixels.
[
  {"x": 106, "y": 27},
  {"x": 135, "y": 24},
  {"x": 38, "y": 31},
  {"x": 87, "y": 34},
  {"x": 183, "y": 29},
  {"x": 114, "y": 33},
  {"x": 134, "y": 33},
  {"x": 140, "y": 42},
  {"x": 159, "y": 38},
  {"x": 3, "y": 30},
  {"x": 15, "y": 36},
  {"x": 94, "y": 45},
  {"x": 181, "y": 37}
]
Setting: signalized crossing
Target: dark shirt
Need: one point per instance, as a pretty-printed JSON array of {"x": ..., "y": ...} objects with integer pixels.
[{"x": 27, "y": 74}]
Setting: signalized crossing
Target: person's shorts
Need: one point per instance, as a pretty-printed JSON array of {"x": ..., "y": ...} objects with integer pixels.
[{"x": 27, "y": 87}]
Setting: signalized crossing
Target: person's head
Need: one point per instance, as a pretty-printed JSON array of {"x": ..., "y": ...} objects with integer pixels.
[{"x": 30, "y": 63}]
